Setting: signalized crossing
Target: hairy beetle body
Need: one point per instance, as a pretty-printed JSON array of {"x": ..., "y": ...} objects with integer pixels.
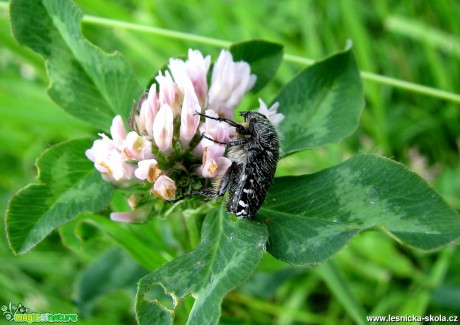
[
  {"x": 254, "y": 155},
  {"x": 253, "y": 166}
]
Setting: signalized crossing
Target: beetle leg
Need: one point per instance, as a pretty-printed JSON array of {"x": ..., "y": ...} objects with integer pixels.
[
  {"x": 228, "y": 144},
  {"x": 225, "y": 181},
  {"x": 210, "y": 192},
  {"x": 239, "y": 128}
]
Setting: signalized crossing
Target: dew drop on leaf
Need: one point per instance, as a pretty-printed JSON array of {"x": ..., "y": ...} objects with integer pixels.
[
  {"x": 198, "y": 265},
  {"x": 373, "y": 195},
  {"x": 261, "y": 244}
]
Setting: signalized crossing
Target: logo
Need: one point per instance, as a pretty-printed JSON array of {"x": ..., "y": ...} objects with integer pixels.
[{"x": 21, "y": 314}]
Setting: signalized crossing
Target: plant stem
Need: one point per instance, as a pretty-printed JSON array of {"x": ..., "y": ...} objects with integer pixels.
[
  {"x": 420, "y": 32},
  {"x": 192, "y": 228},
  {"x": 410, "y": 86},
  {"x": 337, "y": 283},
  {"x": 271, "y": 308},
  {"x": 154, "y": 30},
  {"x": 406, "y": 85},
  {"x": 420, "y": 298}
]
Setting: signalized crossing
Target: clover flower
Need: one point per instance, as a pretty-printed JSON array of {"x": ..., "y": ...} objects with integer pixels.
[
  {"x": 165, "y": 147},
  {"x": 230, "y": 81},
  {"x": 271, "y": 113}
]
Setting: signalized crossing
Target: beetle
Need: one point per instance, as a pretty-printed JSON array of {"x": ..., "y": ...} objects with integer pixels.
[{"x": 254, "y": 155}]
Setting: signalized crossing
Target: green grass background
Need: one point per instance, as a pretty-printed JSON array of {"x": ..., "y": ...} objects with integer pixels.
[{"x": 415, "y": 41}]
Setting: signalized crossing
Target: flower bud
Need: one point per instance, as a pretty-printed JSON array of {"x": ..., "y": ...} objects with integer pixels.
[
  {"x": 148, "y": 170},
  {"x": 147, "y": 113},
  {"x": 100, "y": 149},
  {"x": 164, "y": 188},
  {"x": 271, "y": 113},
  {"x": 213, "y": 129},
  {"x": 214, "y": 162},
  {"x": 114, "y": 168},
  {"x": 136, "y": 215},
  {"x": 133, "y": 201},
  {"x": 163, "y": 129},
  {"x": 136, "y": 147},
  {"x": 195, "y": 70},
  {"x": 230, "y": 81},
  {"x": 117, "y": 130},
  {"x": 169, "y": 93},
  {"x": 108, "y": 160},
  {"x": 189, "y": 121}
]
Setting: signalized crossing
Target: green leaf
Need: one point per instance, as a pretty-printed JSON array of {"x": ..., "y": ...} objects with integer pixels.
[
  {"x": 68, "y": 185},
  {"x": 85, "y": 81},
  {"x": 263, "y": 57},
  {"x": 140, "y": 241},
  {"x": 228, "y": 253},
  {"x": 112, "y": 270},
  {"x": 322, "y": 104},
  {"x": 146, "y": 252},
  {"x": 311, "y": 217},
  {"x": 70, "y": 237},
  {"x": 265, "y": 285}
]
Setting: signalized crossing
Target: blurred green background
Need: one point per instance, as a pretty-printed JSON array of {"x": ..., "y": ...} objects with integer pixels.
[{"x": 415, "y": 41}]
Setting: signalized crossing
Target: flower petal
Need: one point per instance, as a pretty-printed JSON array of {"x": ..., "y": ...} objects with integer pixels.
[
  {"x": 148, "y": 170},
  {"x": 148, "y": 111},
  {"x": 169, "y": 93},
  {"x": 271, "y": 113},
  {"x": 163, "y": 129},
  {"x": 117, "y": 130},
  {"x": 114, "y": 168},
  {"x": 100, "y": 149},
  {"x": 214, "y": 163},
  {"x": 135, "y": 215},
  {"x": 189, "y": 121},
  {"x": 197, "y": 70},
  {"x": 136, "y": 147},
  {"x": 230, "y": 81},
  {"x": 164, "y": 188}
]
